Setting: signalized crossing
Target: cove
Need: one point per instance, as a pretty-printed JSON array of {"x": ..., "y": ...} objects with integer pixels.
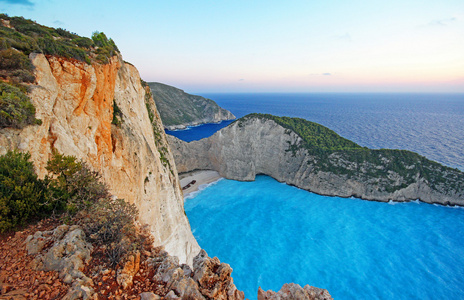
[{"x": 271, "y": 233}]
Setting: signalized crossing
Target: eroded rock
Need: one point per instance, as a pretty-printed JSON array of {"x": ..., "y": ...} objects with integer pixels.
[
  {"x": 68, "y": 256},
  {"x": 131, "y": 267},
  {"x": 292, "y": 291}
]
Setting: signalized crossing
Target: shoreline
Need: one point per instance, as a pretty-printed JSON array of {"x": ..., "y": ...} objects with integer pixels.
[{"x": 200, "y": 176}]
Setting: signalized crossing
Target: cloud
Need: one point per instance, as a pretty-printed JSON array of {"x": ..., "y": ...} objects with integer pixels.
[
  {"x": 441, "y": 22},
  {"x": 344, "y": 37},
  {"x": 327, "y": 74},
  {"x": 241, "y": 79},
  {"x": 19, "y": 2},
  {"x": 58, "y": 23}
]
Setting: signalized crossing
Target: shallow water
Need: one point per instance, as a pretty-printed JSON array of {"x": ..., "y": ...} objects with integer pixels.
[{"x": 271, "y": 233}]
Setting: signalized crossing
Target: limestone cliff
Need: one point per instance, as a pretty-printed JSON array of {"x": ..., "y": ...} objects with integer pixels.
[
  {"x": 259, "y": 145},
  {"x": 179, "y": 109},
  {"x": 75, "y": 101}
]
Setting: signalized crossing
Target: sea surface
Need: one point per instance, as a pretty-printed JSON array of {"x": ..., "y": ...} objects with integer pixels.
[{"x": 271, "y": 233}]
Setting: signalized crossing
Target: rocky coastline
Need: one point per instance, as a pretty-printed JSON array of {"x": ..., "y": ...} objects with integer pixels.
[{"x": 257, "y": 145}]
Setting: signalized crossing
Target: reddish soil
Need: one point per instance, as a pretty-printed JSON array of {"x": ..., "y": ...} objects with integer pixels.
[{"x": 19, "y": 281}]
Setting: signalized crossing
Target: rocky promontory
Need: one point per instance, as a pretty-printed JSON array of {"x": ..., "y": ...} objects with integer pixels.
[
  {"x": 179, "y": 109},
  {"x": 94, "y": 106},
  {"x": 314, "y": 158}
]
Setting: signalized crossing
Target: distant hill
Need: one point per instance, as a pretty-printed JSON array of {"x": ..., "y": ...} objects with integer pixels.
[
  {"x": 315, "y": 158},
  {"x": 179, "y": 109}
]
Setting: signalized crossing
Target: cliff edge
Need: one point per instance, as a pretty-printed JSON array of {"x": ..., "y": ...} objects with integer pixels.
[
  {"x": 179, "y": 109},
  {"x": 315, "y": 158},
  {"x": 75, "y": 101}
]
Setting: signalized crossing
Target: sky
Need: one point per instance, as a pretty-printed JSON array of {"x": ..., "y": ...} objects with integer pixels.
[{"x": 206, "y": 46}]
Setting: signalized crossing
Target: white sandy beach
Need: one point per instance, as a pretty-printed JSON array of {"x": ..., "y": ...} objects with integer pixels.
[{"x": 201, "y": 177}]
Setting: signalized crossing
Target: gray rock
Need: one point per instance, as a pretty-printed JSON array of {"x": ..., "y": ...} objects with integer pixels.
[
  {"x": 149, "y": 296},
  {"x": 171, "y": 296},
  {"x": 68, "y": 255},
  {"x": 261, "y": 146},
  {"x": 214, "y": 278},
  {"x": 292, "y": 291}
]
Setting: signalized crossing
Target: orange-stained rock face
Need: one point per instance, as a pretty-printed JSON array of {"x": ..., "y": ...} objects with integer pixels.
[
  {"x": 90, "y": 92},
  {"x": 74, "y": 100}
]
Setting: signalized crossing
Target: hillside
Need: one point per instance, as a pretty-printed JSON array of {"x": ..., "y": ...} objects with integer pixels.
[
  {"x": 179, "y": 109},
  {"x": 315, "y": 158},
  {"x": 87, "y": 103}
]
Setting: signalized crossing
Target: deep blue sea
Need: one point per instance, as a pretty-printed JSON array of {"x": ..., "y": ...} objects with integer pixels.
[
  {"x": 429, "y": 124},
  {"x": 271, "y": 233}
]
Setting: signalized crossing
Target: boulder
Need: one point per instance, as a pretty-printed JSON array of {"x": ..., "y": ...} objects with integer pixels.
[{"x": 292, "y": 291}]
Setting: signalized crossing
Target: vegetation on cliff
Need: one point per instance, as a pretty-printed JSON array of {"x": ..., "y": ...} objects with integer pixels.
[
  {"x": 20, "y": 37},
  {"x": 157, "y": 129},
  {"x": 179, "y": 108},
  {"x": 73, "y": 192},
  {"x": 27, "y": 37},
  {"x": 390, "y": 169},
  {"x": 16, "y": 108}
]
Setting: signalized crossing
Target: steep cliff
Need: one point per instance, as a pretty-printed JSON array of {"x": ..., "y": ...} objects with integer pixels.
[
  {"x": 321, "y": 162},
  {"x": 75, "y": 101},
  {"x": 179, "y": 109}
]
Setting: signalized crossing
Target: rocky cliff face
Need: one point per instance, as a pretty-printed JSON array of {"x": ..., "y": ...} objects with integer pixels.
[
  {"x": 261, "y": 146},
  {"x": 75, "y": 102},
  {"x": 179, "y": 109}
]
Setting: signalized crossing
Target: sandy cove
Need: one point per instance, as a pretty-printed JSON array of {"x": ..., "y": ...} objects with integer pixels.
[{"x": 201, "y": 177}]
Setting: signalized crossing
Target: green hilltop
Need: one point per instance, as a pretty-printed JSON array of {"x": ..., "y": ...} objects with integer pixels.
[
  {"x": 19, "y": 38},
  {"x": 335, "y": 154}
]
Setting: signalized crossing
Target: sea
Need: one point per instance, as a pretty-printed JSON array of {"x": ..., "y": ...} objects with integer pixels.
[{"x": 271, "y": 233}]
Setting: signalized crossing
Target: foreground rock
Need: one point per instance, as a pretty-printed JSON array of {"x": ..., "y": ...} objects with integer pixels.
[
  {"x": 209, "y": 279},
  {"x": 66, "y": 251},
  {"x": 179, "y": 109},
  {"x": 68, "y": 255},
  {"x": 292, "y": 291},
  {"x": 259, "y": 145}
]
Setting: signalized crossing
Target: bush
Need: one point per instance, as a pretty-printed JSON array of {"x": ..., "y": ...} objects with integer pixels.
[
  {"x": 117, "y": 115},
  {"x": 22, "y": 194},
  {"x": 16, "y": 108},
  {"x": 11, "y": 59},
  {"x": 76, "y": 191},
  {"x": 110, "y": 222},
  {"x": 28, "y": 36},
  {"x": 74, "y": 187},
  {"x": 83, "y": 42},
  {"x": 23, "y": 76},
  {"x": 106, "y": 47}
]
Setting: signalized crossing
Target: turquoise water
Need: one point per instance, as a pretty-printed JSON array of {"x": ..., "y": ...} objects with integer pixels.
[{"x": 271, "y": 233}]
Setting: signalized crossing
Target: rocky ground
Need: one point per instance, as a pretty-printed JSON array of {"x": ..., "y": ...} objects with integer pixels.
[
  {"x": 49, "y": 260},
  {"x": 27, "y": 258}
]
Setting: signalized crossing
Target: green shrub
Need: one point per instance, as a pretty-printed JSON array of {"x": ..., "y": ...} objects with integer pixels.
[
  {"x": 16, "y": 108},
  {"x": 110, "y": 222},
  {"x": 11, "y": 59},
  {"x": 22, "y": 194},
  {"x": 106, "y": 47},
  {"x": 74, "y": 186},
  {"x": 22, "y": 76},
  {"x": 117, "y": 115},
  {"x": 83, "y": 42},
  {"x": 28, "y": 36}
]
